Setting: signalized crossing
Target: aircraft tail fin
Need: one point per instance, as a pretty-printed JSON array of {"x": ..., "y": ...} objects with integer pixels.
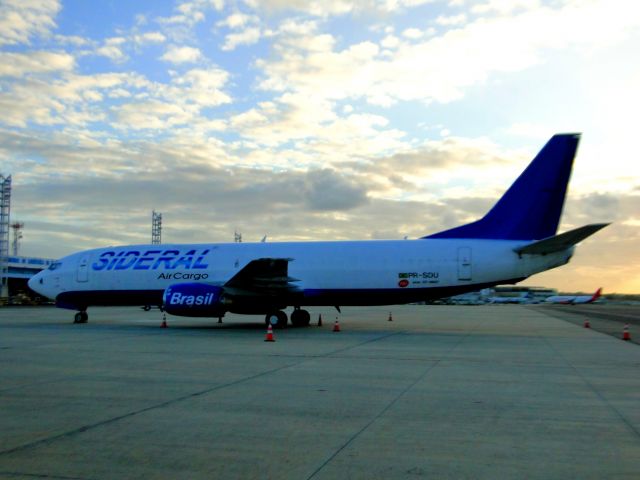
[
  {"x": 596, "y": 295},
  {"x": 531, "y": 208}
]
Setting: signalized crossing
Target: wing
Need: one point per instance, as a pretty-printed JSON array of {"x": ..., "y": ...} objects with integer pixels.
[{"x": 263, "y": 277}]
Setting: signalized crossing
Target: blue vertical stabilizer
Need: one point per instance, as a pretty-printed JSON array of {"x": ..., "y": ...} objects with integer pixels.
[{"x": 531, "y": 208}]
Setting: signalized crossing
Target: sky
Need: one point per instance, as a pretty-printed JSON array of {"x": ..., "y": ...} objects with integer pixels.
[{"x": 316, "y": 120}]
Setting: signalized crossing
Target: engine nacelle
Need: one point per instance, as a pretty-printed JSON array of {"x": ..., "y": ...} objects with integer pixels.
[{"x": 194, "y": 300}]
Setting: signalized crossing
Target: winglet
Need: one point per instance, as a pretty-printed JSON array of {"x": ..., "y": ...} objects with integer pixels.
[{"x": 531, "y": 208}]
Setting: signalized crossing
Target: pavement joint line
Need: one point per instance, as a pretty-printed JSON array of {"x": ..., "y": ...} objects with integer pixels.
[
  {"x": 371, "y": 340},
  {"x": 597, "y": 392},
  {"x": 387, "y": 407},
  {"x": 82, "y": 341},
  {"x": 41, "y": 475},
  {"x": 31, "y": 384},
  {"x": 85, "y": 428}
]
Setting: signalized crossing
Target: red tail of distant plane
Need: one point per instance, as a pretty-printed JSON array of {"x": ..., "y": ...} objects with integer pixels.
[
  {"x": 596, "y": 295},
  {"x": 574, "y": 299}
]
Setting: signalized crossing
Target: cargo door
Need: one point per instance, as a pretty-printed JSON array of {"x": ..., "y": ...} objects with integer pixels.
[
  {"x": 464, "y": 263},
  {"x": 83, "y": 269}
]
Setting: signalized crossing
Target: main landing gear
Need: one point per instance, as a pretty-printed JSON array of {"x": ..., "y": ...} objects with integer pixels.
[
  {"x": 300, "y": 318},
  {"x": 81, "y": 317},
  {"x": 278, "y": 319}
]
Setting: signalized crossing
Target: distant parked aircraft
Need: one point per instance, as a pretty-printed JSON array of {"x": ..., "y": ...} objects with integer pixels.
[
  {"x": 518, "y": 300},
  {"x": 575, "y": 299}
]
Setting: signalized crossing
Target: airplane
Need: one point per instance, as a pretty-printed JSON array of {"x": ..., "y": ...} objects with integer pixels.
[
  {"x": 574, "y": 299},
  {"x": 514, "y": 240},
  {"x": 511, "y": 300}
]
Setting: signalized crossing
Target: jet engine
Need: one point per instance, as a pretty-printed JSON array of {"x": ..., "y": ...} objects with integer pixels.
[{"x": 194, "y": 300}]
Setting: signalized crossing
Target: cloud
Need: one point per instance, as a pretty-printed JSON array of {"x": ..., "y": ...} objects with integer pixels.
[
  {"x": 36, "y": 62},
  {"x": 412, "y": 33},
  {"x": 66, "y": 99},
  {"x": 112, "y": 49},
  {"x": 72, "y": 40},
  {"x": 321, "y": 136},
  {"x": 441, "y": 68},
  {"x": 202, "y": 87},
  {"x": 149, "y": 38},
  {"x": 328, "y": 190},
  {"x": 177, "y": 55},
  {"x": 238, "y": 20},
  {"x": 189, "y": 13},
  {"x": 327, "y": 8},
  {"x": 21, "y": 20},
  {"x": 451, "y": 20},
  {"x": 504, "y": 7},
  {"x": 247, "y": 37}
]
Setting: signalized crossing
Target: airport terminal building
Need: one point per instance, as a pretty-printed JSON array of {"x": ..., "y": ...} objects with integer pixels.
[{"x": 20, "y": 270}]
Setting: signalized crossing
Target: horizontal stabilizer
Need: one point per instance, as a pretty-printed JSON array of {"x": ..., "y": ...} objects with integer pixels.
[{"x": 560, "y": 242}]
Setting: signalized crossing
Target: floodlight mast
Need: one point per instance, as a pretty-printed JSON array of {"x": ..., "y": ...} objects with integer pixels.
[
  {"x": 156, "y": 228},
  {"x": 5, "y": 211},
  {"x": 17, "y": 236}
]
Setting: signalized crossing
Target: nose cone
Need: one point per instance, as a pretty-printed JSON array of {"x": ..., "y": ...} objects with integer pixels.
[{"x": 36, "y": 283}]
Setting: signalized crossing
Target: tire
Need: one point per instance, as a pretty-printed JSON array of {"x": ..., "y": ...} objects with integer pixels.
[
  {"x": 81, "y": 317},
  {"x": 280, "y": 320},
  {"x": 300, "y": 318}
]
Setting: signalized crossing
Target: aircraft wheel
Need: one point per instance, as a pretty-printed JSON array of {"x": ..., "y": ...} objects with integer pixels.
[
  {"x": 81, "y": 317},
  {"x": 146, "y": 308},
  {"x": 276, "y": 319},
  {"x": 300, "y": 318}
]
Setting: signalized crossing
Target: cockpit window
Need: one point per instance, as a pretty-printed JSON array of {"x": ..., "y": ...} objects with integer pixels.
[{"x": 55, "y": 265}]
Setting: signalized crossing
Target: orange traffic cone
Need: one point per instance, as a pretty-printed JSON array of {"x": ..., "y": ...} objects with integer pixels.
[
  {"x": 586, "y": 323},
  {"x": 164, "y": 321},
  {"x": 336, "y": 326},
  {"x": 269, "y": 337},
  {"x": 626, "y": 335},
  {"x": 320, "y": 320},
  {"x": 390, "y": 317}
]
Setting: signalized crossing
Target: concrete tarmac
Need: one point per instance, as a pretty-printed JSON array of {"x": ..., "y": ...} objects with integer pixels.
[
  {"x": 440, "y": 392},
  {"x": 604, "y": 317}
]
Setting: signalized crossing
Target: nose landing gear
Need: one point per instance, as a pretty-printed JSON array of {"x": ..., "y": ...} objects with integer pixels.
[{"x": 81, "y": 317}]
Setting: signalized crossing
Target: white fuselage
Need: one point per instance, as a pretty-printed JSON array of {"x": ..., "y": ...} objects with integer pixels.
[{"x": 326, "y": 273}]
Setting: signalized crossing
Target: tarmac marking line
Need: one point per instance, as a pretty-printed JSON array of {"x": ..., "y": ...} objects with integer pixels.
[
  {"x": 602, "y": 398},
  {"x": 85, "y": 428},
  {"x": 167, "y": 403},
  {"x": 40, "y": 475},
  {"x": 387, "y": 407}
]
